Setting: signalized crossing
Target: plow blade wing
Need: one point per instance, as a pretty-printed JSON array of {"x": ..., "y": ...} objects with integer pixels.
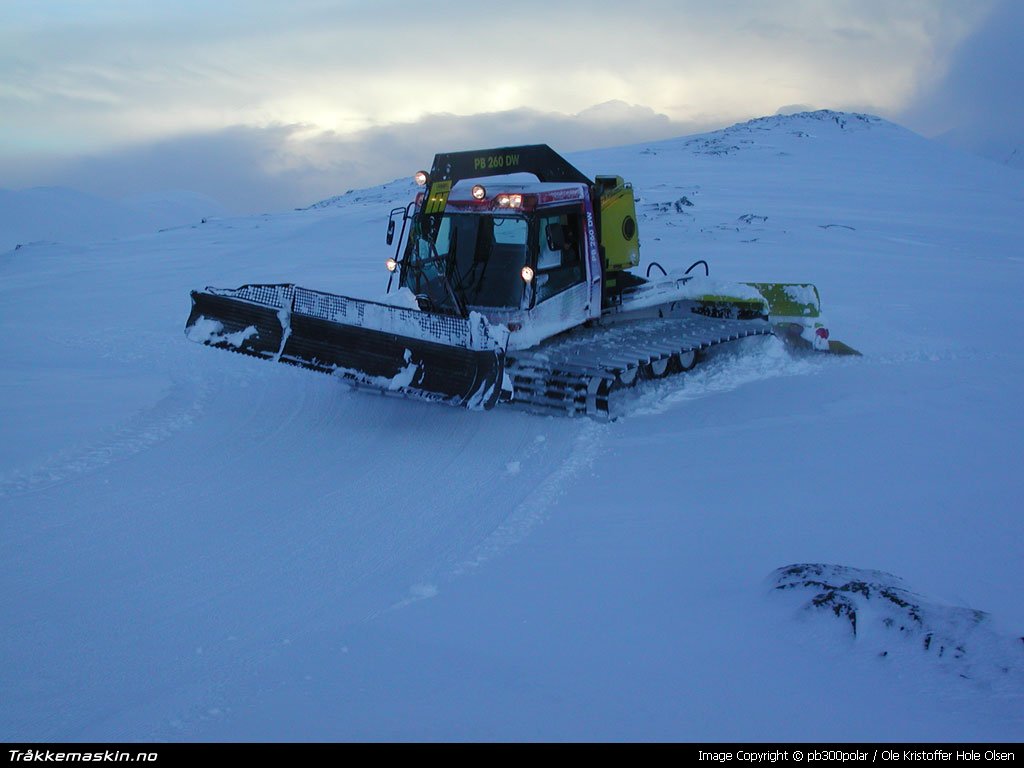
[
  {"x": 790, "y": 299},
  {"x": 391, "y": 349},
  {"x": 795, "y": 309}
]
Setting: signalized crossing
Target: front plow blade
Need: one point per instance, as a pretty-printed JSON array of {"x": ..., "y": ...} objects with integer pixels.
[{"x": 390, "y": 349}]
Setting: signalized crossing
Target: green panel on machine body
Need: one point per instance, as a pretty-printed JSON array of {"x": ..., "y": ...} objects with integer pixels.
[{"x": 790, "y": 299}]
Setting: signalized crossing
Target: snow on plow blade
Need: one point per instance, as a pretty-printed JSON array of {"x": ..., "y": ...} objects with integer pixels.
[{"x": 367, "y": 344}]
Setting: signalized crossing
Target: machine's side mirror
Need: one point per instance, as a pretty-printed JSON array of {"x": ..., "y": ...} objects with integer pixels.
[
  {"x": 391, "y": 231},
  {"x": 556, "y": 236}
]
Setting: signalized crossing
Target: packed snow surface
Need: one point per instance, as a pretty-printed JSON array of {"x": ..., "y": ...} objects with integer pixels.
[{"x": 197, "y": 545}]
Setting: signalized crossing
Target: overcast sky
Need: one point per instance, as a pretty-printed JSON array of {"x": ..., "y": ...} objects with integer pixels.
[{"x": 264, "y": 105}]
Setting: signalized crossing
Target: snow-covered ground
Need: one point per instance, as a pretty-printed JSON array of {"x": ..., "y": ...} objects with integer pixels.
[{"x": 196, "y": 545}]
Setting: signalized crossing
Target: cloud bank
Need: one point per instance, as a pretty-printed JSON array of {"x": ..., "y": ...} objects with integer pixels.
[
  {"x": 254, "y": 169},
  {"x": 82, "y": 76},
  {"x": 976, "y": 103}
]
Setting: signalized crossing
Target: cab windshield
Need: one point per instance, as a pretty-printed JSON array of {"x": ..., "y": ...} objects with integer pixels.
[{"x": 478, "y": 258}]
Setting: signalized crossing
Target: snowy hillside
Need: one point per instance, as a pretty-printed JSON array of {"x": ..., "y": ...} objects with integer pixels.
[
  {"x": 57, "y": 214},
  {"x": 196, "y": 545},
  {"x": 1003, "y": 147}
]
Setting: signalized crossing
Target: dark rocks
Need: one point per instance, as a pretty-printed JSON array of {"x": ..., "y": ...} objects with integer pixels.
[{"x": 881, "y": 612}]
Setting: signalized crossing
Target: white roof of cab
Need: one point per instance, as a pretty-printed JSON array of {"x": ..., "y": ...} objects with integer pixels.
[{"x": 495, "y": 185}]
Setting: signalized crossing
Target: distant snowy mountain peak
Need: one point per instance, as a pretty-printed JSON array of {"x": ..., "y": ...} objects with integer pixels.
[
  {"x": 774, "y": 130},
  {"x": 845, "y": 121},
  {"x": 805, "y": 125}
]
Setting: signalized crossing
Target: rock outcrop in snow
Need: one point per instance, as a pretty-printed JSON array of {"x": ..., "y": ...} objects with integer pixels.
[{"x": 882, "y": 613}]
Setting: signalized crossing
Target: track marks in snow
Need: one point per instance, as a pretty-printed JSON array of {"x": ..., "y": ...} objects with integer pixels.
[
  {"x": 305, "y": 509},
  {"x": 583, "y": 451},
  {"x": 417, "y": 592},
  {"x": 179, "y": 408},
  {"x": 283, "y": 505}
]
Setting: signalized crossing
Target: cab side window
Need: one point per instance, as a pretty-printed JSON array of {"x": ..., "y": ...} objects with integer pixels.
[{"x": 559, "y": 263}]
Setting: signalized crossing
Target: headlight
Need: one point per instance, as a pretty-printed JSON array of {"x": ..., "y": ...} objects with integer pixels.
[
  {"x": 421, "y": 178},
  {"x": 391, "y": 264},
  {"x": 505, "y": 200},
  {"x": 527, "y": 274},
  {"x": 479, "y": 193}
]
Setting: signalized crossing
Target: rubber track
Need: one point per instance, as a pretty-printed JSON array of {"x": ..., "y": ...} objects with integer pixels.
[{"x": 580, "y": 374}]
